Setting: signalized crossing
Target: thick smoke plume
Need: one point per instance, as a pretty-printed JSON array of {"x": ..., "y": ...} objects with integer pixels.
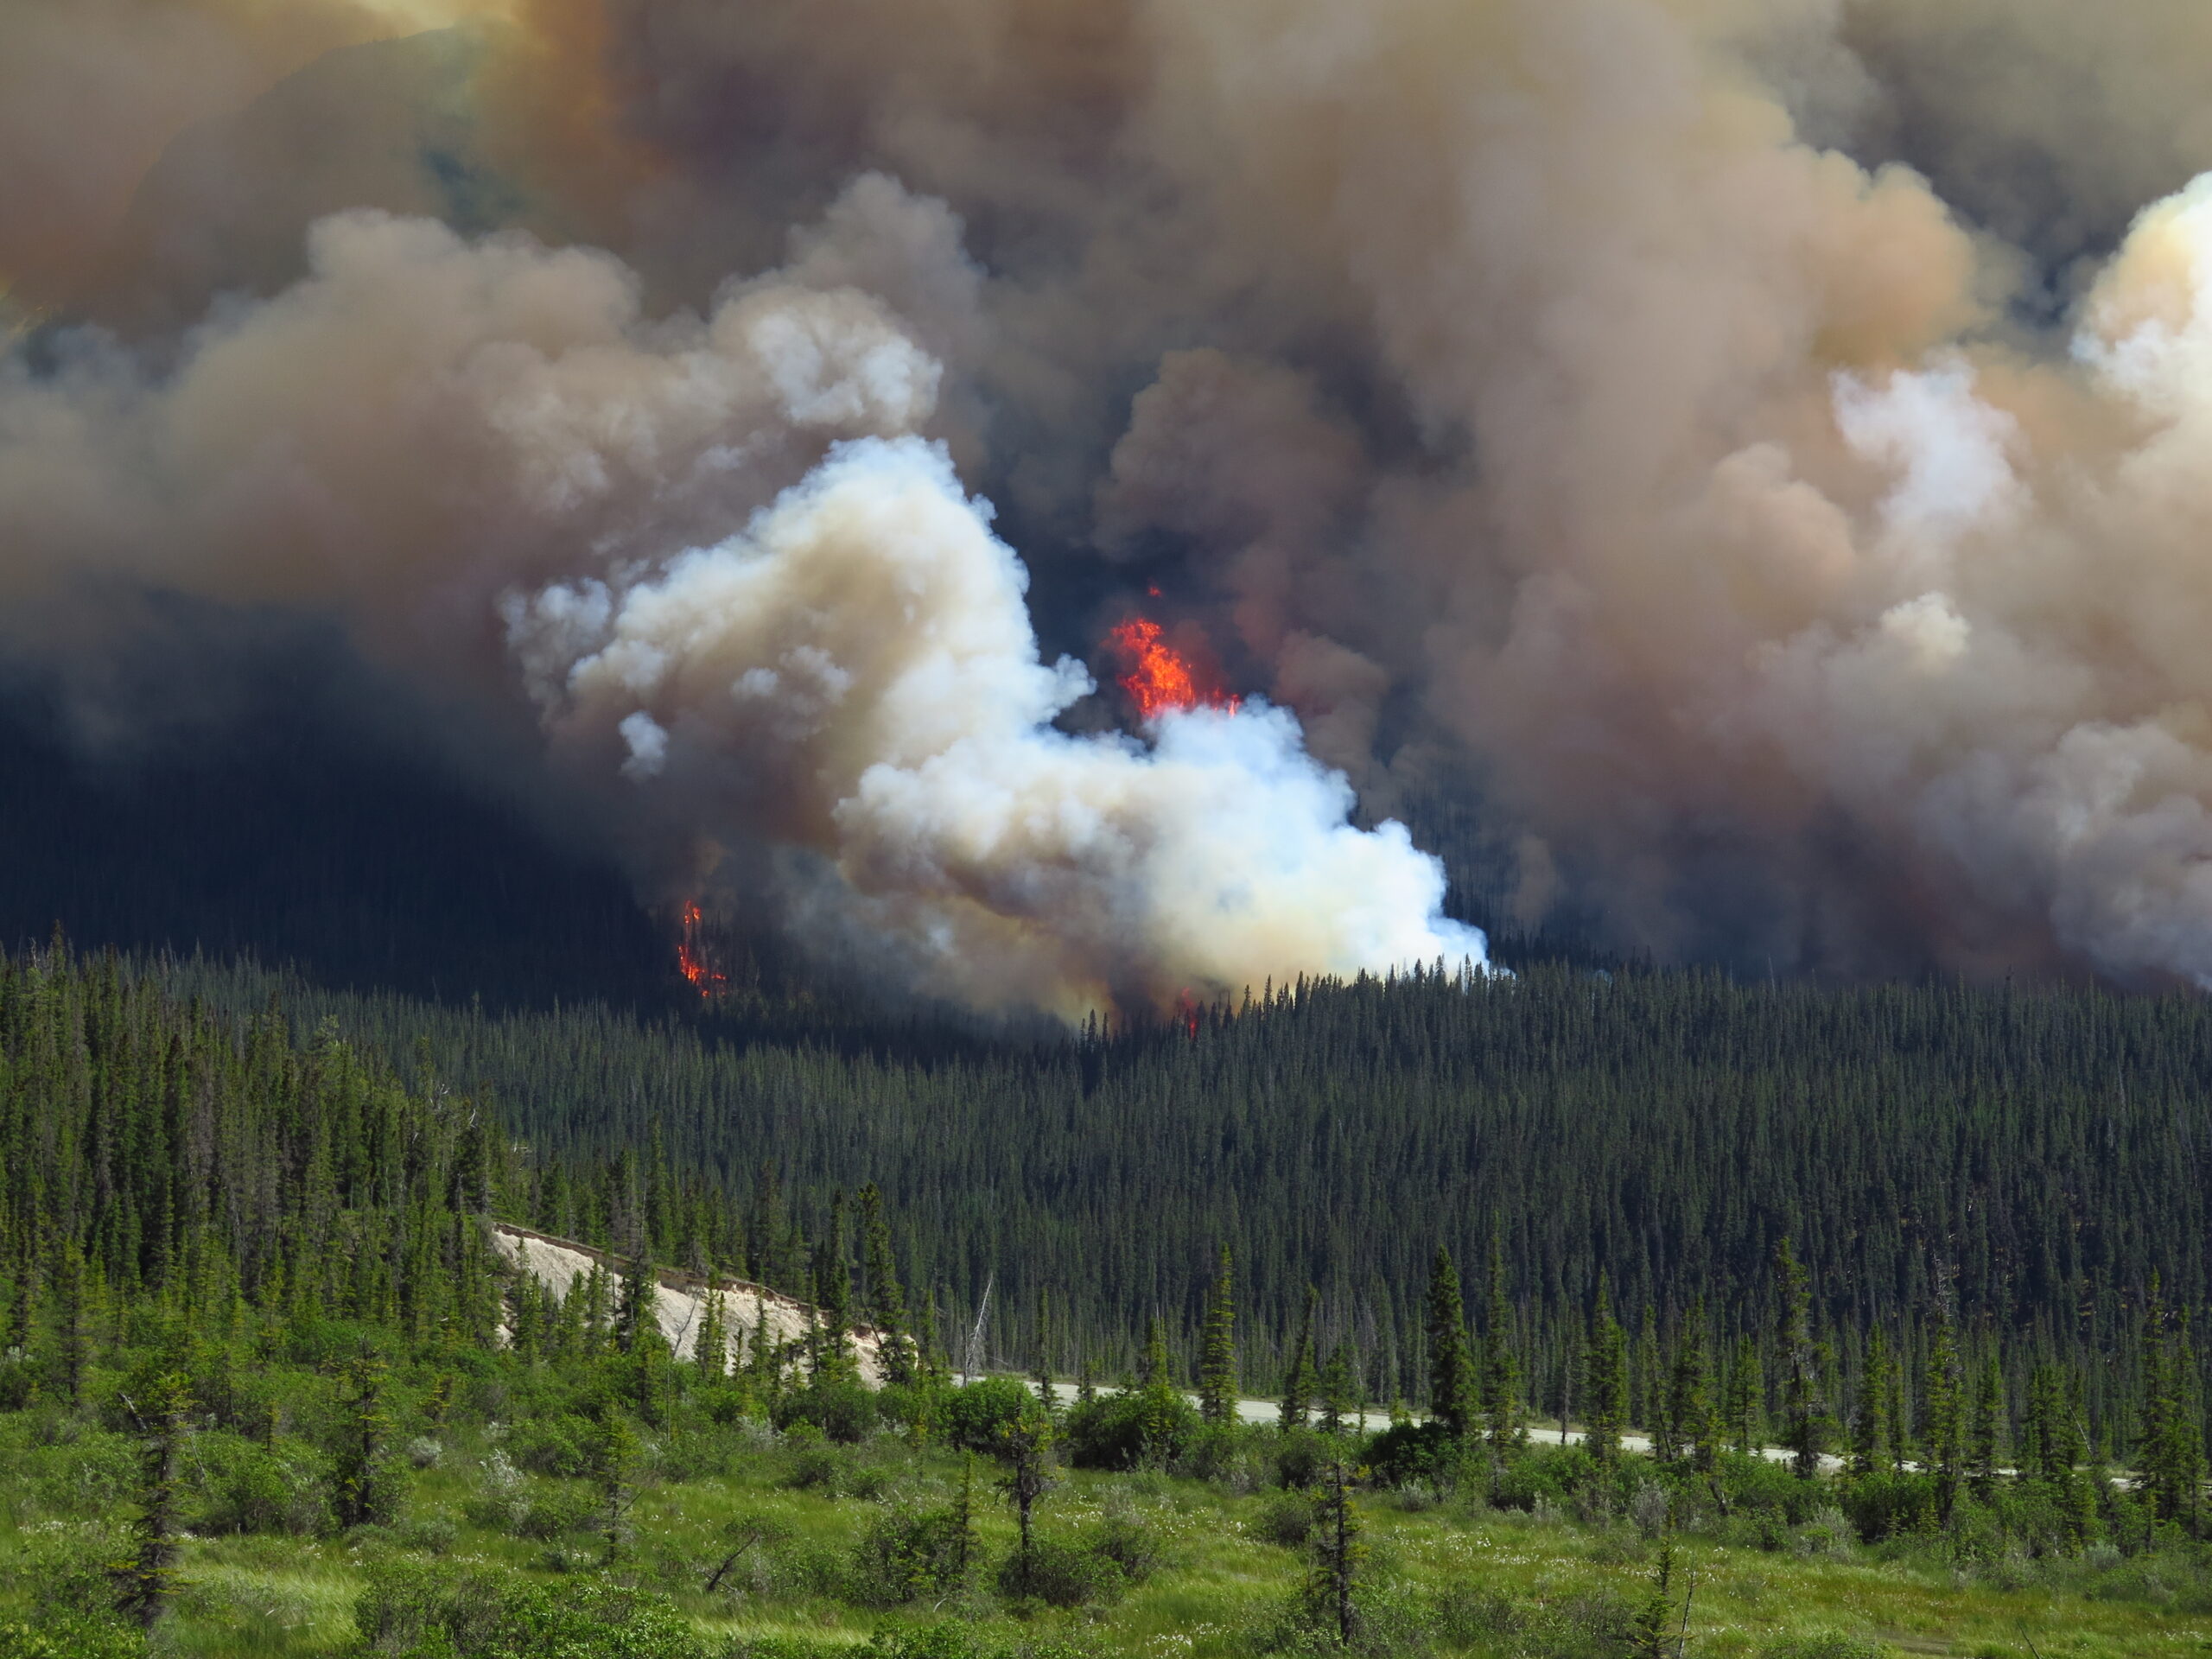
[{"x": 1737, "y": 466}]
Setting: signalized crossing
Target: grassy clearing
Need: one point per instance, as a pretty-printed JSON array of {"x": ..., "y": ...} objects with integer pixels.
[{"x": 1444, "y": 1573}]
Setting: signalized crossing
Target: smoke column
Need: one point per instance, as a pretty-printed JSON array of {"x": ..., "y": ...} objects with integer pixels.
[{"x": 1745, "y": 458}]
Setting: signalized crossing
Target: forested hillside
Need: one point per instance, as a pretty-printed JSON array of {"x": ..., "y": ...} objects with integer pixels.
[
  {"x": 2033, "y": 1157},
  {"x": 266, "y": 1385}
]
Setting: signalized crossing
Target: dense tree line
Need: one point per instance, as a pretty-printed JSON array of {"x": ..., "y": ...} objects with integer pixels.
[
  {"x": 235, "y": 1225},
  {"x": 2018, "y": 1164}
]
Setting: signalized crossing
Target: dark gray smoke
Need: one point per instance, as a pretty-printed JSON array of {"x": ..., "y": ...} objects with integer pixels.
[{"x": 1743, "y": 454}]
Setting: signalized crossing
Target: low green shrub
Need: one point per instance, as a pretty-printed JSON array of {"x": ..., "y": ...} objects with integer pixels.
[
  {"x": 979, "y": 1417},
  {"x": 904, "y": 1554},
  {"x": 1827, "y": 1645},
  {"x": 1143, "y": 1428},
  {"x": 413, "y": 1612},
  {"x": 1059, "y": 1573},
  {"x": 844, "y": 1411}
]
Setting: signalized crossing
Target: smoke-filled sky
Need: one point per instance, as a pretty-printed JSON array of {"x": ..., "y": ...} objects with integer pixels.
[{"x": 1741, "y": 464}]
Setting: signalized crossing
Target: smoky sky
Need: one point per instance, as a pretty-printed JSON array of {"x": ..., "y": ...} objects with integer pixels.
[{"x": 1726, "y": 472}]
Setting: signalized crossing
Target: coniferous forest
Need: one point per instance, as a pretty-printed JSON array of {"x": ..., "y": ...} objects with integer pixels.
[{"x": 1660, "y": 1262}]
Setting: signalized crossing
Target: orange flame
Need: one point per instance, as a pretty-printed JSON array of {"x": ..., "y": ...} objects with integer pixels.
[
  {"x": 1159, "y": 678},
  {"x": 691, "y": 955}
]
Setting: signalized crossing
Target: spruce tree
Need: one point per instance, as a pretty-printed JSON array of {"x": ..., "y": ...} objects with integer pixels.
[
  {"x": 1041, "y": 1373},
  {"x": 1500, "y": 1391},
  {"x": 1804, "y": 1414},
  {"x": 1159, "y": 1403},
  {"x": 69, "y": 1335},
  {"x": 610, "y": 1451},
  {"x": 1217, "y": 1349},
  {"x": 146, "y": 1582},
  {"x": 1986, "y": 1448},
  {"x": 1025, "y": 1449},
  {"x": 1689, "y": 1407},
  {"x": 833, "y": 1291},
  {"x": 1647, "y": 1392},
  {"x": 1298, "y": 1385},
  {"x": 1942, "y": 1439},
  {"x": 1451, "y": 1366},
  {"x": 1744, "y": 1404},
  {"x": 2170, "y": 1444},
  {"x": 1870, "y": 1440},
  {"x": 365, "y": 1478},
  {"x": 1332, "y": 1594},
  {"x": 886, "y": 1300},
  {"x": 2052, "y": 1445},
  {"x": 1336, "y": 1388},
  {"x": 1604, "y": 1379},
  {"x": 710, "y": 1349}
]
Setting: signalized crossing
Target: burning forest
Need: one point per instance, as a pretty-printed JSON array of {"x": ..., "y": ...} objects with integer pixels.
[{"x": 1708, "y": 461}]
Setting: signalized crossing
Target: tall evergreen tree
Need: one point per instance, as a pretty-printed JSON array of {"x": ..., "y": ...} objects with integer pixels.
[
  {"x": 1804, "y": 1413},
  {"x": 1744, "y": 1406},
  {"x": 1298, "y": 1383},
  {"x": 1500, "y": 1391},
  {"x": 2170, "y": 1443},
  {"x": 833, "y": 1288},
  {"x": 1336, "y": 1387},
  {"x": 1985, "y": 1449},
  {"x": 1605, "y": 1379},
  {"x": 1217, "y": 1378},
  {"x": 1689, "y": 1408},
  {"x": 1870, "y": 1412},
  {"x": 886, "y": 1298},
  {"x": 1942, "y": 1430},
  {"x": 146, "y": 1582},
  {"x": 1451, "y": 1366}
]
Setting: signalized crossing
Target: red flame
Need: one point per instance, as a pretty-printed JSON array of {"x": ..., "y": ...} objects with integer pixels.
[
  {"x": 1159, "y": 678},
  {"x": 691, "y": 954}
]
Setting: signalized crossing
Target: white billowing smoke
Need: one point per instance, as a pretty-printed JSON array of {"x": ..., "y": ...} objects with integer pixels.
[
  {"x": 426, "y": 433},
  {"x": 1743, "y": 438},
  {"x": 856, "y": 674}
]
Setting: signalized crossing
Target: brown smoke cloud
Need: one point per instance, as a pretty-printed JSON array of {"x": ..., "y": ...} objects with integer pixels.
[{"x": 1749, "y": 449}]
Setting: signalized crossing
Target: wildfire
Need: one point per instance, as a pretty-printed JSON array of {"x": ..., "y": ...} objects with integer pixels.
[
  {"x": 1158, "y": 678},
  {"x": 691, "y": 954}
]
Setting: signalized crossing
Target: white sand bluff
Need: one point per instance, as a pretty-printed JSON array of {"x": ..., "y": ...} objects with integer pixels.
[{"x": 680, "y": 1299}]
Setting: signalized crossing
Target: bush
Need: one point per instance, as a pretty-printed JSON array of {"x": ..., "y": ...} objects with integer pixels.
[
  {"x": 945, "y": 1640},
  {"x": 724, "y": 1403},
  {"x": 1286, "y": 1519},
  {"x": 1130, "y": 1543},
  {"x": 1406, "y": 1454},
  {"x": 68, "y": 1638},
  {"x": 1828, "y": 1644},
  {"x": 551, "y": 1445},
  {"x": 1302, "y": 1456},
  {"x": 1886, "y": 1506},
  {"x": 1234, "y": 1455},
  {"x": 1756, "y": 1483},
  {"x": 817, "y": 1466},
  {"x": 1059, "y": 1574},
  {"x": 1544, "y": 1474},
  {"x": 244, "y": 1488},
  {"x": 843, "y": 1411},
  {"x": 785, "y": 1647},
  {"x": 979, "y": 1417},
  {"x": 551, "y": 1513},
  {"x": 904, "y": 1555},
  {"x": 1144, "y": 1428},
  {"x": 421, "y": 1612},
  {"x": 919, "y": 1407}
]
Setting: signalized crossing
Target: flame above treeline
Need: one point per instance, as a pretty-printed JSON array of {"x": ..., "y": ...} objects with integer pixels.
[
  {"x": 691, "y": 957},
  {"x": 1159, "y": 679}
]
